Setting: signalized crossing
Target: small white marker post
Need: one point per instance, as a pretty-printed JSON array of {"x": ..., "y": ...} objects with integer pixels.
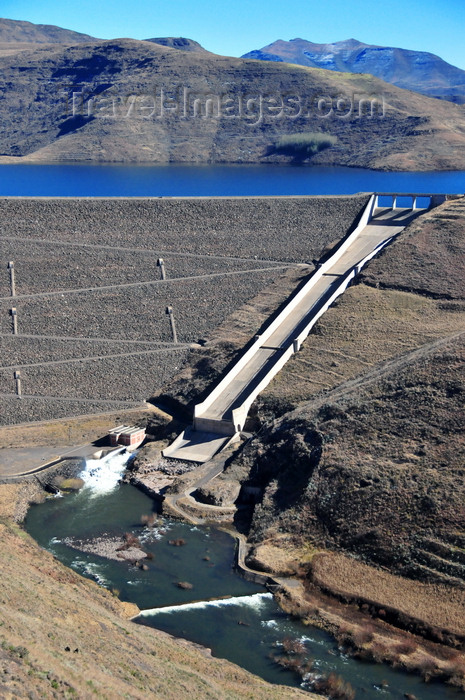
[
  {"x": 11, "y": 267},
  {"x": 161, "y": 265},
  {"x": 169, "y": 312},
  {"x": 18, "y": 383},
  {"x": 14, "y": 316}
]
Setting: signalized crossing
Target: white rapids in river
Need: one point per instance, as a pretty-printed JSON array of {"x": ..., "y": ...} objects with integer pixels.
[
  {"x": 250, "y": 601},
  {"x": 102, "y": 475}
]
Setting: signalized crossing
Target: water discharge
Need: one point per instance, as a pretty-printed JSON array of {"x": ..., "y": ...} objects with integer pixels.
[
  {"x": 247, "y": 627},
  {"x": 255, "y": 601},
  {"x": 101, "y": 476}
]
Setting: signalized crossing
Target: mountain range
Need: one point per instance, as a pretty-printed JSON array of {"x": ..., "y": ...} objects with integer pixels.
[
  {"x": 64, "y": 98},
  {"x": 16, "y": 35},
  {"x": 412, "y": 70}
]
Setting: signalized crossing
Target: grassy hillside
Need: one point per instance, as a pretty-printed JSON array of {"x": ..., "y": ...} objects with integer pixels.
[
  {"x": 138, "y": 101},
  {"x": 17, "y": 36},
  {"x": 13, "y": 31}
]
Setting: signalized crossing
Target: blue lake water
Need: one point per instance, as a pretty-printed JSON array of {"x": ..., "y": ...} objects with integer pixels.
[{"x": 214, "y": 180}]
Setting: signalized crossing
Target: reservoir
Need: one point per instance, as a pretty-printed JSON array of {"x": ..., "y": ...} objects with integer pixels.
[{"x": 214, "y": 180}]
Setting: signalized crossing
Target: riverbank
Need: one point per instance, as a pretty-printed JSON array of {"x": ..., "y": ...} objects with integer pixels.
[
  {"x": 360, "y": 626},
  {"x": 407, "y": 625},
  {"x": 64, "y": 636},
  {"x": 362, "y": 630},
  {"x": 357, "y": 632}
]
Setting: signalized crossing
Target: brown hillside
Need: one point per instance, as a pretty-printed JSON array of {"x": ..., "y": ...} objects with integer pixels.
[
  {"x": 17, "y": 36},
  {"x": 429, "y": 258},
  {"x": 141, "y": 102},
  {"x": 13, "y": 31},
  {"x": 372, "y": 458},
  {"x": 377, "y": 467}
]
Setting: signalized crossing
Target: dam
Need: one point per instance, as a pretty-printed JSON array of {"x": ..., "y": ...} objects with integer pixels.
[{"x": 90, "y": 334}]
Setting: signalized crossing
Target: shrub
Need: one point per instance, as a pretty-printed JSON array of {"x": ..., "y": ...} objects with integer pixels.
[
  {"x": 456, "y": 668},
  {"x": 129, "y": 540},
  {"x": 427, "y": 667},
  {"x": 335, "y": 687},
  {"x": 405, "y": 647},
  {"x": 379, "y": 651},
  {"x": 295, "y": 657},
  {"x": 302, "y": 146},
  {"x": 362, "y": 636}
]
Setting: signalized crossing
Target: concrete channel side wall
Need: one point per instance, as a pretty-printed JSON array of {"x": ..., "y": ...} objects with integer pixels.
[
  {"x": 261, "y": 339},
  {"x": 240, "y": 414}
]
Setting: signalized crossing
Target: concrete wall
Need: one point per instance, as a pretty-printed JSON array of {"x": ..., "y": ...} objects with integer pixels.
[{"x": 240, "y": 413}]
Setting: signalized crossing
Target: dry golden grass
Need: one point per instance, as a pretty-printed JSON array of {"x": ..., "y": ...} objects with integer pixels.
[
  {"x": 434, "y": 605},
  {"x": 281, "y": 556},
  {"x": 8, "y": 498},
  {"x": 70, "y": 431},
  {"x": 372, "y": 639},
  {"x": 390, "y": 322},
  {"x": 429, "y": 257}
]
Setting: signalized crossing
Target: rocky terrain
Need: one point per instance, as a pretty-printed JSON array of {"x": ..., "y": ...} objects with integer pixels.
[
  {"x": 140, "y": 101},
  {"x": 93, "y": 334},
  {"x": 371, "y": 458},
  {"x": 412, "y": 70},
  {"x": 180, "y": 43},
  {"x": 376, "y": 469},
  {"x": 373, "y": 463}
]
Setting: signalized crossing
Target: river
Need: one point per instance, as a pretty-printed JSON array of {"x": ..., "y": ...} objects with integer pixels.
[{"x": 247, "y": 627}]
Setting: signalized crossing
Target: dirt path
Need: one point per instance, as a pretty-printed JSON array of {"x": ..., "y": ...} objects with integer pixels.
[
  {"x": 145, "y": 251},
  {"x": 148, "y": 283},
  {"x": 70, "y": 338},
  {"x": 109, "y": 402},
  {"x": 178, "y": 346},
  {"x": 374, "y": 375}
]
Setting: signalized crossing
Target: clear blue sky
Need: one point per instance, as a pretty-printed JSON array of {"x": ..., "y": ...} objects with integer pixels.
[{"x": 234, "y": 27}]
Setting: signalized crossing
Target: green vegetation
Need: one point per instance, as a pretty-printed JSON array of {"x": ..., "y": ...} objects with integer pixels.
[{"x": 305, "y": 145}]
